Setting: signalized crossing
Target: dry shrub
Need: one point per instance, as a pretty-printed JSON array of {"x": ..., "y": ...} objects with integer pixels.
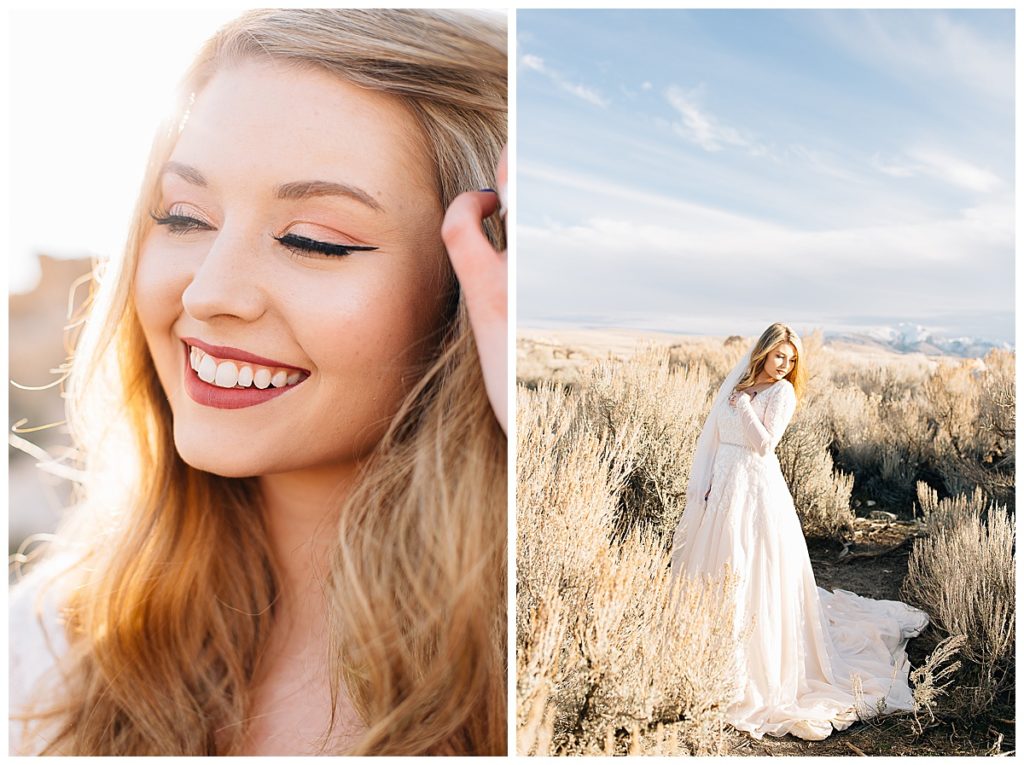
[
  {"x": 606, "y": 650},
  {"x": 883, "y": 439},
  {"x": 820, "y": 492},
  {"x": 715, "y": 356},
  {"x": 539, "y": 360},
  {"x": 565, "y": 483},
  {"x": 962, "y": 574},
  {"x": 653, "y": 410},
  {"x": 973, "y": 409},
  {"x": 651, "y": 654},
  {"x": 903, "y": 422}
]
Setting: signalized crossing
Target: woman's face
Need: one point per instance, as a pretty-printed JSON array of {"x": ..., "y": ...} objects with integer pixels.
[
  {"x": 275, "y": 356},
  {"x": 780, "y": 361}
]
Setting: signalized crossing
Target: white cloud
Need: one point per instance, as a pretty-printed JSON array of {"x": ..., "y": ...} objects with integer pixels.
[
  {"x": 646, "y": 204},
  {"x": 702, "y": 128},
  {"x": 954, "y": 170},
  {"x": 646, "y": 85},
  {"x": 942, "y": 166},
  {"x": 588, "y": 94},
  {"x": 532, "y": 62},
  {"x": 642, "y": 251}
]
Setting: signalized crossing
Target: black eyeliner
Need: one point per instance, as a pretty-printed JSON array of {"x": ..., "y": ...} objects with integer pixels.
[
  {"x": 181, "y": 224},
  {"x": 302, "y": 243}
]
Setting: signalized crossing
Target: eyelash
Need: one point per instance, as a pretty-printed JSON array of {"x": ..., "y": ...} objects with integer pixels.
[{"x": 182, "y": 224}]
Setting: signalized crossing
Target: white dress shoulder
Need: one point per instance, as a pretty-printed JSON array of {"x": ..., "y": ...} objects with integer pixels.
[
  {"x": 811, "y": 653},
  {"x": 37, "y": 641}
]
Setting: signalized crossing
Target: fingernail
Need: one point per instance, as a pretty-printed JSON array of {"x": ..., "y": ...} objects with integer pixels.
[
  {"x": 492, "y": 191},
  {"x": 502, "y": 196}
]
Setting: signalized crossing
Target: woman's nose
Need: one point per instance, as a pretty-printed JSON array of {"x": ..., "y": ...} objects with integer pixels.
[{"x": 226, "y": 282}]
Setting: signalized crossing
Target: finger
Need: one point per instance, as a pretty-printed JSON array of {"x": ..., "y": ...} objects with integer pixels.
[
  {"x": 480, "y": 269},
  {"x": 462, "y": 229},
  {"x": 503, "y": 180}
]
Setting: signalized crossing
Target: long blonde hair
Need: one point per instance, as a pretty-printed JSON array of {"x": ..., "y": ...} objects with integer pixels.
[
  {"x": 174, "y": 587},
  {"x": 775, "y": 334}
]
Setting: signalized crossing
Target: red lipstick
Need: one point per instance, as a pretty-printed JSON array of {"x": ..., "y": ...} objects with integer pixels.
[{"x": 230, "y": 398}]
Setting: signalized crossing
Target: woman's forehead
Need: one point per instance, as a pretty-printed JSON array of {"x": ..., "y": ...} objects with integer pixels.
[{"x": 265, "y": 123}]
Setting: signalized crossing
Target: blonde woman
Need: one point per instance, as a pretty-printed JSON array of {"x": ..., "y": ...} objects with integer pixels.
[
  {"x": 807, "y": 648},
  {"x": 291, "y": 538}
]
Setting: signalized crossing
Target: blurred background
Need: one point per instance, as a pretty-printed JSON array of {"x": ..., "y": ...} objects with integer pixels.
[{"x": 87, "y": 90}]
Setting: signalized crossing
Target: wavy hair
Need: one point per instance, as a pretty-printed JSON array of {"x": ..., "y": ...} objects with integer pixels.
[
  {"x": 775, "y": 334},
  {"x": 174, "y": 585}
]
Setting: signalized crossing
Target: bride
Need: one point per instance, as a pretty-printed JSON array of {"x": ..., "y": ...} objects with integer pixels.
[{"x": 808, "y": 649}]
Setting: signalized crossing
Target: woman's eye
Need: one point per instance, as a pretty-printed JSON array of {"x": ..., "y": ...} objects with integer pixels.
[
  {"x": 305, "y": 245},
  {"x": 182, "y": 224},
  {"x": 179, "y": 224}
]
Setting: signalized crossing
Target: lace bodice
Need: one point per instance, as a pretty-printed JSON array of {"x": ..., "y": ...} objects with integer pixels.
[{"x": 759, "y": 423}]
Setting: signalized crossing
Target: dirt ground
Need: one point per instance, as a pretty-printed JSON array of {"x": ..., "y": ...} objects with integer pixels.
[{"x": 875, "y": 566}]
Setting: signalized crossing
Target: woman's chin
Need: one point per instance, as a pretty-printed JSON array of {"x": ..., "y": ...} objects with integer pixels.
[
  {"x": 223, "y": 468},
  {"x": 203, "y": 454}
]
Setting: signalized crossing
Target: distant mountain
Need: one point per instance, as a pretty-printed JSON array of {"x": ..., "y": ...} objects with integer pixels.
[{"x": 914, "y": 338}]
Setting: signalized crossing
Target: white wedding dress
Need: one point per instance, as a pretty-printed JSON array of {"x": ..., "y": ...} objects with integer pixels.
[{"x": 798, "y": 666}]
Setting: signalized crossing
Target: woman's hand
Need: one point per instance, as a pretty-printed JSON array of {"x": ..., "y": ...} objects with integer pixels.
[
  {"x": 734, "y": 399},
  {"x": 483, "y": 275}
]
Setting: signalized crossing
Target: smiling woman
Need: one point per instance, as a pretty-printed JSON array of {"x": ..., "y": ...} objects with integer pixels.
[{"x": 291, "y": 537}]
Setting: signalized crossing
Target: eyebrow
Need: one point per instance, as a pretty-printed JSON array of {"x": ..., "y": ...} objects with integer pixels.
[{"x": 293, "y": 190}]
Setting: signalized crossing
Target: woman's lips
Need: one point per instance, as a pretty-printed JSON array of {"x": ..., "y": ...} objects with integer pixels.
[{"x": 217, "y": 397}]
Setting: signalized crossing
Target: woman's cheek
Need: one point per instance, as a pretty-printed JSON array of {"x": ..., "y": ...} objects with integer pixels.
[
  {"x": 366, "y": 326},
  {"x": 158, "y": 287}
]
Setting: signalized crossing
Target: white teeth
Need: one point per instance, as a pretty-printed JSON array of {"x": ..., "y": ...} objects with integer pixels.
[
  {"x": 207, "y": 369},
  {"x": 227, "y": 375}
]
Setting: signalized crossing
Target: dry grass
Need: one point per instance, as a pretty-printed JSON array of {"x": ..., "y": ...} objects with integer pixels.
[{"x": 933, "y": 678}]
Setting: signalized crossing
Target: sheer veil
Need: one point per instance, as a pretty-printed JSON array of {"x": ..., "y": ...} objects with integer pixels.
[{"x": 703, "y": 464}]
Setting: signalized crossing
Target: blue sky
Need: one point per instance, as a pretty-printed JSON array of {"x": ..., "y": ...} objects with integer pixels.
[{"x": 713, "y": 171}]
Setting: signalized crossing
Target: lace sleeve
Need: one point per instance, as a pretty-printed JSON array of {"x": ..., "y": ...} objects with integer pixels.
[
  {"x": 764, "y": 437},
  {"x": 36, "y": 644}
]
